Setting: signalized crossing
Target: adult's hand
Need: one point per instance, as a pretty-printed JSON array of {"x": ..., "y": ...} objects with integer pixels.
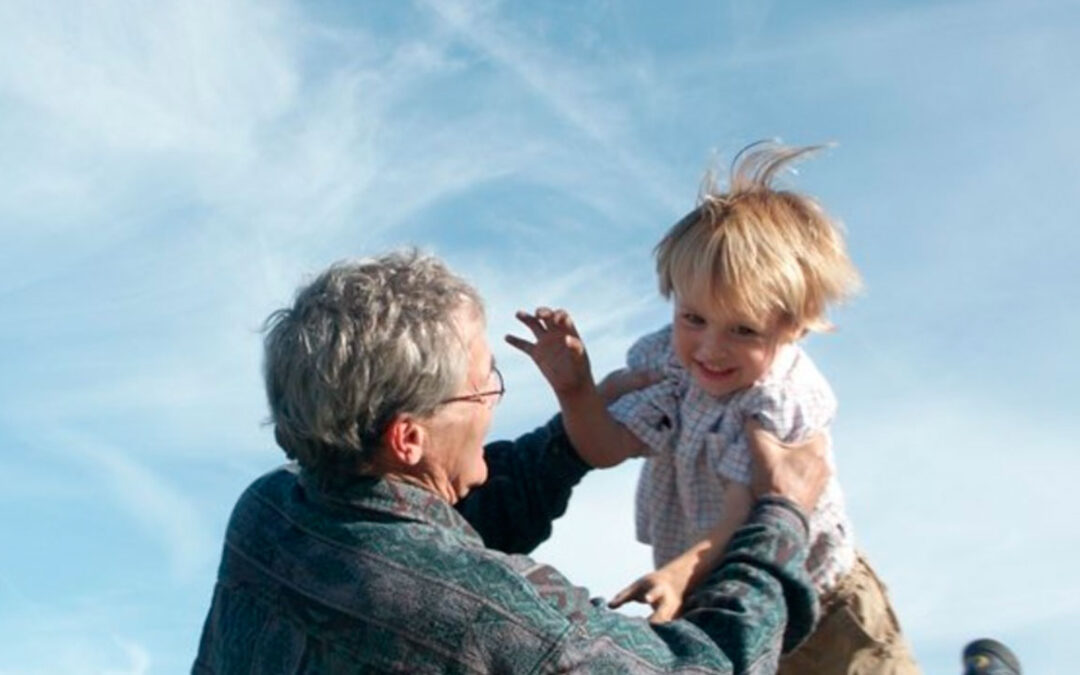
[{"x": 797, "y": 471}]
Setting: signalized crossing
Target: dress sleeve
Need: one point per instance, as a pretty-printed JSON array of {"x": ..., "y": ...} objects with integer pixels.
[
  {"x": 791, "y": 408},
  {"x": 757, "y": 601},
  {"x": 529, "y": 484},
  {"x": 651, "y": 413}
]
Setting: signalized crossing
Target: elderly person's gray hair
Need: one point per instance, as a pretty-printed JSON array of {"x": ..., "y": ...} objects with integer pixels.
[{"x": 363, "y": 342}]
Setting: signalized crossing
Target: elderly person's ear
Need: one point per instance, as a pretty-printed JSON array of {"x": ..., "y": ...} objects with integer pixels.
[{"x": 404, "y": 440}]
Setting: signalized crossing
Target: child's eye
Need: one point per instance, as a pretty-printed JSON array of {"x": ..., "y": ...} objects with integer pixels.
[
  {"x": 693, "y": 319},
  {"x": 744, "y": 331}
]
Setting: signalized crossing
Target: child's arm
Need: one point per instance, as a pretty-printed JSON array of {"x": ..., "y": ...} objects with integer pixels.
[
  {"x": 560, "y": 354},
  {"x": 665, "y": 588}
]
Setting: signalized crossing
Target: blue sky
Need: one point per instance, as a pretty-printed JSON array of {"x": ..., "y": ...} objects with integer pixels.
[{"x": 172, "y": 170}]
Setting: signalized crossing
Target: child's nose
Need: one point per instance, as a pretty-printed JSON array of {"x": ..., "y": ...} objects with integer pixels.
[{"x": 711, "y": 350}]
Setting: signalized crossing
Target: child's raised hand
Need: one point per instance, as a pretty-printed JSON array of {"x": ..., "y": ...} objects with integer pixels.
[
  {"x": 558, "y": 351},
  {"x": 663, "y": 592}
]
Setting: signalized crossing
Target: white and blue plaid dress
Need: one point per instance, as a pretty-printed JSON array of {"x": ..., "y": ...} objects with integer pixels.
[{"x": 696, "y": 445}]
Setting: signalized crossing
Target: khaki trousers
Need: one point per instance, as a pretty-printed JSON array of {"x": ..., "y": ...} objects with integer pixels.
[{"x": 858, "y": 633}]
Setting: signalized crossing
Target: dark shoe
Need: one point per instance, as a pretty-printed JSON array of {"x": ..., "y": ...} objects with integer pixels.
[{"x": 989, "y": 657}]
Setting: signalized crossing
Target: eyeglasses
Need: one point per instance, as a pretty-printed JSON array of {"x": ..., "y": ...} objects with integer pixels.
[{"x": 491, "y": 398}]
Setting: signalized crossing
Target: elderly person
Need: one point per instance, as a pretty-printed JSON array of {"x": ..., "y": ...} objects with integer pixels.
[{"x": 398, "y": 541}]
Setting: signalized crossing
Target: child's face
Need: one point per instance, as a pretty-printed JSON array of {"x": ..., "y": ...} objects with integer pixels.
[{"x": 722, "y": 351}]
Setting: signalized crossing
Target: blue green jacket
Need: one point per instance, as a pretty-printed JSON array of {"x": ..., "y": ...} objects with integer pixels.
[{"x": 381, "y": 576}]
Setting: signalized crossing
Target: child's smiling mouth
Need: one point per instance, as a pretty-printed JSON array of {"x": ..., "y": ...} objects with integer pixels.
[{"x": 716, "y": 373}]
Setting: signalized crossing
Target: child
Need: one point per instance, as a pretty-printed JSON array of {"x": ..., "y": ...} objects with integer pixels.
[{"x": 750, "y": 270}]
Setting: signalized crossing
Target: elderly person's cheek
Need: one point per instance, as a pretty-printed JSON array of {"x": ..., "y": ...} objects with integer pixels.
[
  {"x": 459, "y": 449},
  {"x": 474, "y": 470}
]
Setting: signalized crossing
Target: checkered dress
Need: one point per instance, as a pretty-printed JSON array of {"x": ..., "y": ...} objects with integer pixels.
[{"x": 696, "y": 445}]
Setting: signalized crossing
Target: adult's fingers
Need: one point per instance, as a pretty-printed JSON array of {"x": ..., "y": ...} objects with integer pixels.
[
  {"x": 664, "y": 610},
  {"x": 631, "y": 592}
]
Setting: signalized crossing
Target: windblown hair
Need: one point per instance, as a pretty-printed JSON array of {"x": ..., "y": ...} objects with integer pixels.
[
  {"x": 363, "y": 342},
  {"x": 758, "y": 250}
]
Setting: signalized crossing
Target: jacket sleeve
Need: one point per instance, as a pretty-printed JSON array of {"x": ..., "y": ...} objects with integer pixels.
[
  {"x": 529, "y": 484},
  {"x": 757, "y": 601},
  {"x": 761, "y": 589}
]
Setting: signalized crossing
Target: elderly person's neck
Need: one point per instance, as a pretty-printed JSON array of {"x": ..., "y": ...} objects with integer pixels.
[
  {"x": 438, "y": 485},
  {"x": 385, "y": 466}
]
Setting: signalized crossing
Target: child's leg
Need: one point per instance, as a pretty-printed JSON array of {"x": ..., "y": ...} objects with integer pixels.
[{"x": 858, "y": 633}]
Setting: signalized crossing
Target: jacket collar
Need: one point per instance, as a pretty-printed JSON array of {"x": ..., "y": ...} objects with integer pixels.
[{"x": 393, "y": 499}]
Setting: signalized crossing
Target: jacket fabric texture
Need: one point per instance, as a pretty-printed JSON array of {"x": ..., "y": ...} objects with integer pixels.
[{"x": 382, "y": 576}]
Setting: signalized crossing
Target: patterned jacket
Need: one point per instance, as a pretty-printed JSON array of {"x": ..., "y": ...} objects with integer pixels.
[{"x": 381, "y": 576}]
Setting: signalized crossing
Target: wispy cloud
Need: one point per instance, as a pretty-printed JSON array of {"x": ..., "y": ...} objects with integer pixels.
[
  {"x": 81, "y": 635},
  {"x": 143, "y": 78},
  {"x": 73, "y": 655},
  {"x": 558, "y": 83},
  {"x": 138, "y": 659},
  {"x": 164, "y": 514},
  {"x": 173, "y": 170}
]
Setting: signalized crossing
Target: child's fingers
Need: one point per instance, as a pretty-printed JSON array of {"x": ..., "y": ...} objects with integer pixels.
[
  {"x": 545, "y": 314},
  {"x": 532, "y": 322},
  {"x": 574, "y": 345},
  {"x": 521, "y": 344},
  {"x": 556, "y": 319},
  {"x": 563, "y": 320},
  {"x": 559, "y": 319},
  {"x": 546, "y": 319}
]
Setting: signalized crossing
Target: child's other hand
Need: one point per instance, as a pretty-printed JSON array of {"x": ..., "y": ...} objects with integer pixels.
[
  {"x": 623, "y": 381},
  {"x": 558, "y": 351},
  {"x": 661, "y": 591}
]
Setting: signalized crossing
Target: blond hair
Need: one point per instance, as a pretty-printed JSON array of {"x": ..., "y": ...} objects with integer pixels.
[{"x": 758, "y": 250}]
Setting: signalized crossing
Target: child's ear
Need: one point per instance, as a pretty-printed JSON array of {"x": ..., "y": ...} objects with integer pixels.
[{"x": 792, "y": 330}]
